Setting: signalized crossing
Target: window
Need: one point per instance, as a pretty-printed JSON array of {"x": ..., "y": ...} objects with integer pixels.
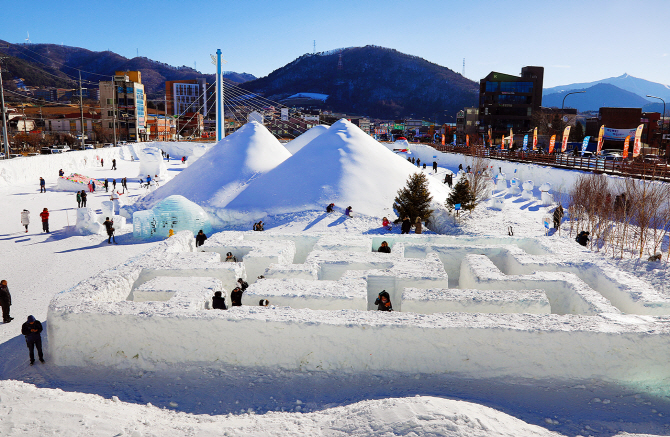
[
  {"x": 492, "y": 87},
  {"x": 516, "y": 87},
  {"x": 111, "y": 126},
  {"x": 514, "y": 99},
  {"x": 110, "y": 101},
  {"x": 110, "y": 113}
]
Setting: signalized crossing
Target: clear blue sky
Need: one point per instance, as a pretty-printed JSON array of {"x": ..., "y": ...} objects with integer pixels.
[{"x": 575, "y": 41}]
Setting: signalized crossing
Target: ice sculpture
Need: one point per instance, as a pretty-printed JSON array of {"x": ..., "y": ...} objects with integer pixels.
[
  {"x": 528, "y": 190},
  {"x": 174, "y": 212},
  {"x": 87, "y": 222},
  {"x": 501, "y": 183},
  {"x": 496, "y": 203},
  {"x": 546, "y": 198},
  {"x": 514, "y": 186},
  {"x": 152, "y": 164}
]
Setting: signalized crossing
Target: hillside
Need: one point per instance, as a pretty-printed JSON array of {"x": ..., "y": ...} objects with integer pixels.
[
  {"x": 626, "y": 82},
  {"x": 36, "y": 63},
  {"x": 373, "y": 81},
  {"x": 595, "y": 97}
]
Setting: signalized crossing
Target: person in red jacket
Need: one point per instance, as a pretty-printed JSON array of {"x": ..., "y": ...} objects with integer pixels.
[{"x": 45, "y": 220}]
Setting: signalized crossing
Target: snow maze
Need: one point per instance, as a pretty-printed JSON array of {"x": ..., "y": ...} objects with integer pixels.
[{"x": 474, "y": 307}]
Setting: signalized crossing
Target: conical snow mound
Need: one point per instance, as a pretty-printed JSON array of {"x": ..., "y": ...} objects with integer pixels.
[
  {"x": 225, "y": 170},
  {"x": 343, "y": 165},
  {"x": 305, "y": 138}
]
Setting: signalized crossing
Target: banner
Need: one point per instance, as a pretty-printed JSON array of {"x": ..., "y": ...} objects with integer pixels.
[
  {"x": 585, "y": 144},
  {"x": 566, "y": 134},
  {"x": 490, "y": 137},
  {"x": 638, "y": 144},
  {"x": 525, "y": 143},
  {"x": 535, "y": 139},
  {"x": 502, "y": 143},
  {"x": 454, "y": 143},
  {"x": 617, "y": 134},
  {"x": 511, "y": 137},
  {"x": 552, "y": 143},
  {"x": 625, "y": 147},
  {"x": 467, "y": 141},
  {"x": 600, "y": 139},
  {"x": 443, "y": 139}
]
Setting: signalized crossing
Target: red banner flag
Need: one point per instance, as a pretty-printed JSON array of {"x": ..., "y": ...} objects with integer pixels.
[
  {"x": 626, "y": 143},
  {"x": 600, "y": 139},
  {"x": 443, "y": 139},
  {"x": 467, "y": 141},
  {"x": 638, "y": 144},
  {"x": 535, "y": 139},
  {"x": 566, "y": 134},
  {"x": 552, "y": 143},
  {"x": 502, "y": 143}
]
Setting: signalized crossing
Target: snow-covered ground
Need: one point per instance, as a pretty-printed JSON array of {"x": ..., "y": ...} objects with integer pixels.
[{"x": 232, "y": 400}]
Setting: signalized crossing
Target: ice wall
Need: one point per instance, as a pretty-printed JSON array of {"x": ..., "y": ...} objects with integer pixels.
[{"x": 175, "y": 212}]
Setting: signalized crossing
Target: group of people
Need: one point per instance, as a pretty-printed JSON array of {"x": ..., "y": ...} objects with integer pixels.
[
  {"x": 102, "y": 163},
  {"x": 219, "y": 302},
  {"x": 258, "y": 226},
  {"x": 407, "y": 225},
  {"x": 31, "y": 329},
  {"x": 348, "y": 211}
]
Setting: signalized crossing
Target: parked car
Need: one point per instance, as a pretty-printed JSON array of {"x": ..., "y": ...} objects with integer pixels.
[{"x": 107, "y": 145}]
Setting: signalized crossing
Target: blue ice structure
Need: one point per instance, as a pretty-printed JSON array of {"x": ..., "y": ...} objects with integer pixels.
[{"x": 173, "y": 212}]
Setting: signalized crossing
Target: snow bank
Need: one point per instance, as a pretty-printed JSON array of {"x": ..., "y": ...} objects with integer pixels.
[
  {"x": 300, "y": 142},
  {"x": 152, "y": 164}
]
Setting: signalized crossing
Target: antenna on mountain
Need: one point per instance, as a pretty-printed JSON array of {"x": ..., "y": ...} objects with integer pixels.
[
  {"x": 138, "y": 52},
  {"x": 463, "y": 67},
  {"x": 314, "y": 52},
  {"x": 28, "y": 39}
]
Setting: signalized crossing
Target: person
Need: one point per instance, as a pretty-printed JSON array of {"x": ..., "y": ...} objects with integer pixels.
[
  {"x": 254, "y": 227},
  {"x": 386, "y": 224},
  {"x": 45, "y": 220},
  {"x": 424, "y": 165},
  {"x": 92, "y": 185},
  {"x": 168, "y": 157},
  {"x": 467, "y": 169},
  {"x": 383, "y": 302},
  {"x": 230, "y": 258},
  {"x": 183, "y": 160},
  {"x": 25, "y": 218},
  {"x": 259, "y": 226},
  {"x": 43, "y": 187},
  {"x": 413, "y": 160},
  {"x": 200, "y": 238},
  {"x": 102, "y": 162},
  {"x": 148, "y": 179},
  {"x": 78, "y": 199},
  {"x": 170, "y": 232},
  {"x": 263, "y": 302},
  {"x": 124, "y": 184},
  {"x": 435, "y": 166},
  {"x": 384, "y": 248},
  {"x": 61, "y": 172},
  {"x": 347, "y": 211},
  {"x": 448, "y": 179},
  {"x": 5, "y": 301},
  {"x": 218, "y": 301},
  {"x": 406, "y": 226},
  {"x": 558, "y": 215},
  {"x": 417, "y": 225},
  {"x": 330, "y": 208},
  {"x": 106, "y": 185},
  {"x": 113, "y": 184},
  {"x": 460, "y": 167},
  {"x": 243, "y": 284},
  {"x": 109, "y": 226},
  {"x": 236, "y": 297},
  {"x": 418, "y": 162},
  {"x": 31, "y": 329},
  {"x": 113, "y": 164},
  {"x": 83, "y": 199},
  {"x": 582, "y": 238}
]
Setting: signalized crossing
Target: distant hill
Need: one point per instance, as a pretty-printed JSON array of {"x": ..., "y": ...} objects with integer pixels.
[
  {"x": 635, "y": 85},
  {"x": 57, "y": 65},
  {"x": 595, "y": 97},
  {"x": 373, "y": 81}
]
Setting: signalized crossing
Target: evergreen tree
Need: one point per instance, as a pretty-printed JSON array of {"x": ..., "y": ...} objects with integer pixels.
[
  {"x": 414, "y": 200},
  {"x": 461, "y": 194}
]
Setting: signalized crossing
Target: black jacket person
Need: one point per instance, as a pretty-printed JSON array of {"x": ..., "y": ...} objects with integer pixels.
[
  {"x": 383, "y": 302},
  {"x": 32, "y": 330}
]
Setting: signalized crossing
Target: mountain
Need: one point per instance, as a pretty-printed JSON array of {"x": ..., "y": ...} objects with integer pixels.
[
  {"x": 57, "y": 65},
  {"x": 373, "y": 81},
  {"x": 635, "y": 85},
  {"x": 595, "y": 97}
]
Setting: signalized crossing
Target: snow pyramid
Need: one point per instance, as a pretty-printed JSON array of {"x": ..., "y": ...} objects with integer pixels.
[
  {"x": 343, "y": 165},
  {"x": 225, "y": 170},
  {"x": 305, "y": 138}
]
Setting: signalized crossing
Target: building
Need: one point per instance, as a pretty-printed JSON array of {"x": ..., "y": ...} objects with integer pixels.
[
  {"x": 122, "y": 107},
  {"x": 362, "y": 122},
  {"x": 186, "y": 96},
  {"x": 509, "y": 102},
  {"x": 161, "y": 127}
]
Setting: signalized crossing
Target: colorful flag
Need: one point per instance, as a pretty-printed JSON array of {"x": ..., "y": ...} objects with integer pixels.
[
  {"x": 626, "y": 143},
  {"x": 502, "y": 143},
  {"x": 443, "y": 139},
  {"x": 511, "y": 137},
  {"x": 454, "y": 143},
  {"x": 638, "y": 144},
  {"x": 600, "y": 139},
  {"x": 535, "y": 139},
  {"x": 585, "y": 144},
  {"x": 525, "y": 142},
  {"x": 566, "y": 134},
  {"x": 490, "y": 137},
  {"x": 552, "y": 143},
  {"x": 467, "y": 141}
]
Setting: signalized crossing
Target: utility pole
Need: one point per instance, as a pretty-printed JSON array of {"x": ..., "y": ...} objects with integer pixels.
[
  {"x": 114, "y": 107},
  {"x": 81, "y": 110},
  {"x": 4, "y": 117}
]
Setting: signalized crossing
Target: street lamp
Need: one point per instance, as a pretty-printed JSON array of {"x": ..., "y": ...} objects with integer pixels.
[
  {"x": 574, "y": 92},
  {"x": 662, "y": 117}
]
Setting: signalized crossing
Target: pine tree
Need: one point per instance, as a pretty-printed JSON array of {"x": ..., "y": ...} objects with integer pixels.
[
  {"x": 463, "y": 195},
  {"x": 414, "y": 200}
]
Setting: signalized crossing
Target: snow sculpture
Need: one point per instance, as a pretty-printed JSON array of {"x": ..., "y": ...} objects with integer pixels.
[
  {"x": 546, "y": 198},
  {"x": 87, "y": 222},
  {"x": 528, "y": 190},
  {"x": 174, "y": 212},
  {"x": 501, "y": 182},
  {"x": 514, "y": 187},
  {"x": 496, "y": 203},
  {"x": 107, "y": 208},
  {"x": 151, "y": 163}
]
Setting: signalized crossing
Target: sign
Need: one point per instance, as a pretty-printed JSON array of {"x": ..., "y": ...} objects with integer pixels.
[
  {"x": 585, "y": 144},
  {"x": 625, "y": 147},
  {"x": 638, "y": 144},
  {"x": 600, "y": 139},
  {"x": 552, "y": 143},
  {"x": 566, "y": 134},
  {"x": 617, "y": 134},
  {"x": 457, "y": 207},
  {"x": 525, "y": 143}
]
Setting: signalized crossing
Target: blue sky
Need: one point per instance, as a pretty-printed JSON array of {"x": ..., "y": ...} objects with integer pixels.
[{"x": 576, "y": 41}]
